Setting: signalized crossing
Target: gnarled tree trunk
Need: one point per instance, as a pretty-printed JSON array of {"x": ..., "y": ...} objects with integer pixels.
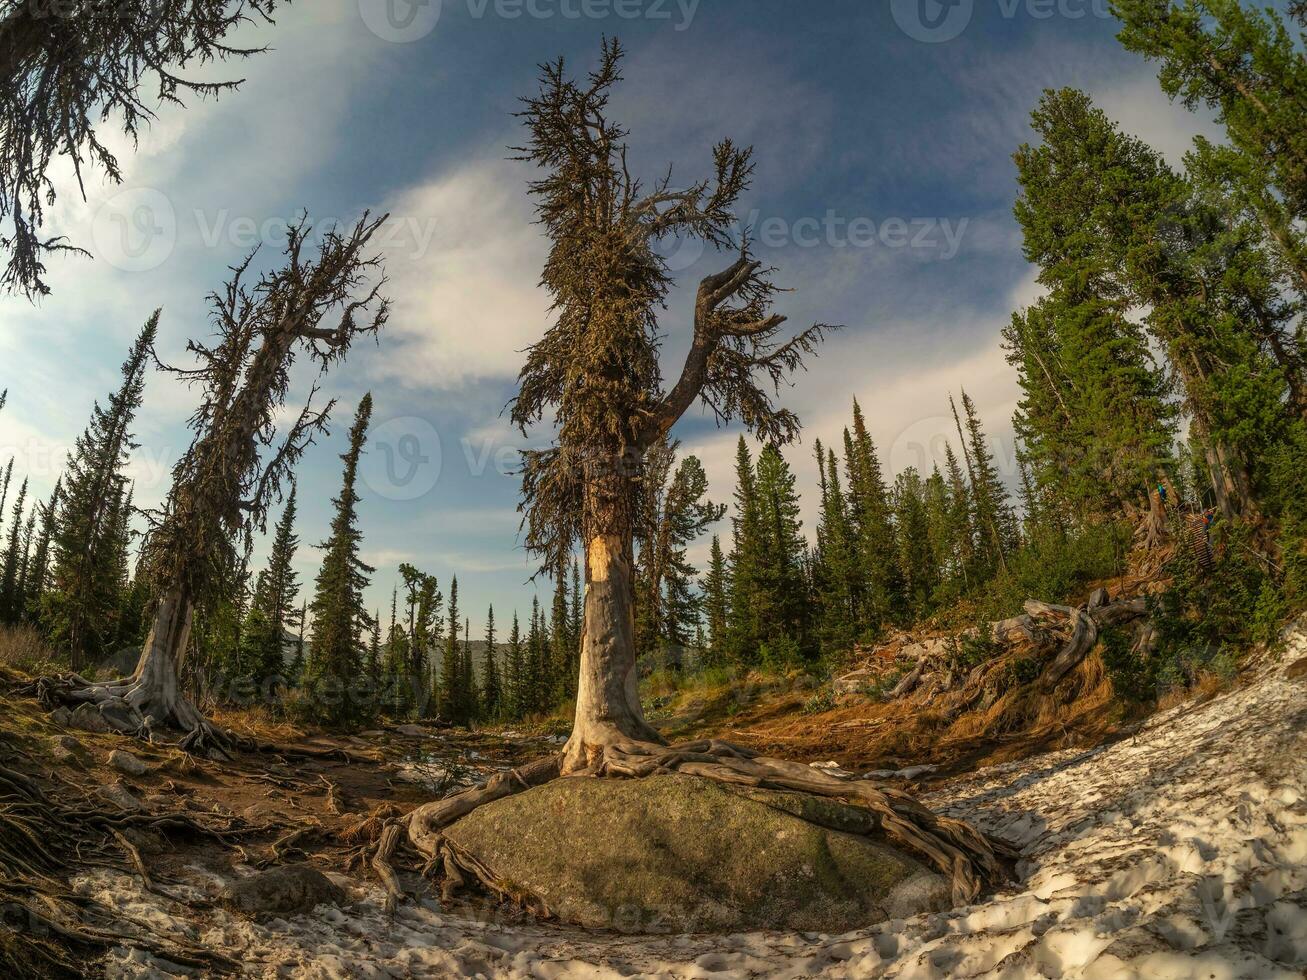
[{"x": 607, "y": 696}]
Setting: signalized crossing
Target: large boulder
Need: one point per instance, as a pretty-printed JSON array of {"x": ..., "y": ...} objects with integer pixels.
[
  {"x": 281, "y": 891},
  {"x": 677, "y": 853}
]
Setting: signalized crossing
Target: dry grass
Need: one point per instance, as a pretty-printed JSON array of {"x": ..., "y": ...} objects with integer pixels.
[
  {"x": 256, "y": 722},
  {"x": 23, "y": 650}
]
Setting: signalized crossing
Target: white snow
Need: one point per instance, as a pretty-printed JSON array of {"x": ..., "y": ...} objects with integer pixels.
[{"x": 1180, "y": 852}]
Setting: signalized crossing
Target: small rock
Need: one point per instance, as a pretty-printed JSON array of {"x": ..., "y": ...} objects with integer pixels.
[
  {"x": 62, "y": 717},
  {"x": 127, "y": 763},
  {"x": 412, "y": 731},
  {"x": 281, "y": 891},
  {"x": 88, "y": 718},
  {"x": 121, "y": 797},
  {"x": 68, "y": 742}
]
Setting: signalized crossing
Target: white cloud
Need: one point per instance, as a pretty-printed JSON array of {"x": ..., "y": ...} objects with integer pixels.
[{"x": 467, "y": 305}]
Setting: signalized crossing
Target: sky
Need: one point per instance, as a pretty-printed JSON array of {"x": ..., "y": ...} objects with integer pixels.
[{"x": 883, "y": 134}]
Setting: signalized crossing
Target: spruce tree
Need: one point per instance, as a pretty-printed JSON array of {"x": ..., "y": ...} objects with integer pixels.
[
  {"x": 1090, "y": 190},
  {"x": 716, "y": 589},
  {"x": 992, "y": 512},
  {"x": 453, "y": 699},
  {"x": 515, "y": 673},
  {"x": 274, "y": 609},
  {"x": 784, "y": 602},
  {"x": 85, "y": 595},
  {"x": 10, "y": 600},
  {"x": 744, "y": 629},
  {"x": 870, "y": 514},
  {"x": 339, "y": 616},
  {"x": 1241, "y": 62},
  {"x": 492, "y": 691},
  {"x": 40, "y": 573}
]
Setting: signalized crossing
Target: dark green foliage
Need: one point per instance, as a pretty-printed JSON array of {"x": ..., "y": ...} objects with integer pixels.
[
  {"x": 86, "y": 578},
  {"x": 339, "y": 616},
  {"x": 274, "y": 612}
]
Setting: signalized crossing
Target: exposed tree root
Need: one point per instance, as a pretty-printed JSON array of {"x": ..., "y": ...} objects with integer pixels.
[
  {"x": 140, "y": 707},
  {"x": 970, "y": 859},
  {"x": 45, "y": 927}
]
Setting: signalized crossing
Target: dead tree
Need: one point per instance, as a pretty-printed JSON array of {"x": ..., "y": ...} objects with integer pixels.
[
  {"x": 596, "y": 376},
  {"x": 66, "y": 65},
  {"x": 237, "y": 462}
]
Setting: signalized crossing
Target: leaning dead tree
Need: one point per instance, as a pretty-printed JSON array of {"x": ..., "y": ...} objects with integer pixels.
[
  {"x": 315, "y": 304},
  {"x": 66, "y": 65},
  {"x": 596, "y": 377}
]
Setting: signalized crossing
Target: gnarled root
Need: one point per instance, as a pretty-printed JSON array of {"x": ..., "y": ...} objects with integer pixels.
[
  {"x": 970, "y": 859},
  {"x": 140, "y": 706}
]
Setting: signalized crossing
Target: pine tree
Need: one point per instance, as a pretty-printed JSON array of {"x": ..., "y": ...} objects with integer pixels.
[
  {"x": 870, "y": 515},
  {"x": 10, "y": 600},
  {"x": 993, "y": 514},
  {"x": 492, "y": 692},
  {"x": 836, "y": 564},
  {"x": 1173, "y": 254},
  {"x": 40, "y": 573},
  {"x": 915, "y": 554},
  {"x": 744, "y": 629},
  {"x": 784, "y": 602},
  {"x": 716, "y": 589},
  {"x": 339, "y": 616},
  {"x": 671, "y": 513},
  {"x": 468, "y": 679},
  {"x": 1241, "y": 62},
  {"x": 453, "y": 699},
  {"x": 515, "y": 673},
  {"x": 537, "y": 681},
  {"x": 273, "y": 611},
  {"x": 84, "y": 596}
]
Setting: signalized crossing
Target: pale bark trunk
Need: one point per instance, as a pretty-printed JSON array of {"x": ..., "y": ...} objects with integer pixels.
[{"x": 608, "y": 696}]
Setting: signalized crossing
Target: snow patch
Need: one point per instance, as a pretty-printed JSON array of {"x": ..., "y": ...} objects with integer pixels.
[{"x": 1178, "y": 853}]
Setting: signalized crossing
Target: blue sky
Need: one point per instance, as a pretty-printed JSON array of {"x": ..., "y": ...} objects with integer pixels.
[{"x": 883, "y": 196}]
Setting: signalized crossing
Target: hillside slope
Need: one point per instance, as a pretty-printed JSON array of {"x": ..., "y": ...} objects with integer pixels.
[{"x": 1180, "y": 852}]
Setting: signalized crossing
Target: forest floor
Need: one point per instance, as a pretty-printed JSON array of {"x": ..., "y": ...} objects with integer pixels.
[{"x": 1175, "y": 848}]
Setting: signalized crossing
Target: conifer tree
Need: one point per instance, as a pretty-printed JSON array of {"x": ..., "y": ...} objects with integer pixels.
[
  {"x": 915, "y": 555},
  {"x": 339, "y": 616},
  {"x": 468, "y": 679},
  {"x": 453, "y": 699},
  {"x": 10, "y": 600},
  {"x": 870, "y": 514},
  {"x": 1241, "y": 62},
  {"x": 608, "y": 285},
  {"x": 716, "y": 589},
  {"x": 538, "y": 685},
  {"x": 783, "y": 600},
  {"x": 1171, "y": 254},
  {"x": 374, "y": 651},
  {"x": 515, "y": 673},
  {"x": 84, "y": 595},
  {"x": 273, "y": 613},
  {"x": 993, "y": 514},
  {"x": 40, "y": 573},
  {"x": 836, "y": 565},
  {"x": 492, "y": 691},
  {"x": 744, "y": 629},
  {"x": 671, "y": 513}
]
